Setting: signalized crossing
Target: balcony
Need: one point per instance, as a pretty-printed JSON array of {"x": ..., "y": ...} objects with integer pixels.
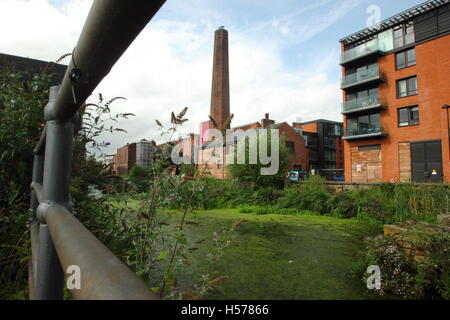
[
  {"x": 367, "y": 50},
  {"x": 371, "y": 102},
  {"x": 359, "y": 79},
  {"x": 364, "y": 132}
]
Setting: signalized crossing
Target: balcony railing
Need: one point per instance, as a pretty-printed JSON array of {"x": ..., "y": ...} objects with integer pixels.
[
  {"x": 359, "y": 78},
  {"x": 366, "y": 131},
  {"x": 363, "y": 50},
  {"x": 361, "y": 104}
]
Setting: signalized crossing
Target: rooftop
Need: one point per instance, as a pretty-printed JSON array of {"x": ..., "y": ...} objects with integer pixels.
[
  {"x": 24, "y": 64},
  {"x": 318, "y": 120},
  {"x": 395, "y": 20}
]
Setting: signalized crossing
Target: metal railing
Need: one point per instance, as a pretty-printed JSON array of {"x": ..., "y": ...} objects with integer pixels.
[
  {"x": 363, "y": 130},
  {"x": 360, "y": 51},
  {"x": 367, "y": 102},
  {"x": 369, "y": 74},
  {"x": 58, "y": 239}
]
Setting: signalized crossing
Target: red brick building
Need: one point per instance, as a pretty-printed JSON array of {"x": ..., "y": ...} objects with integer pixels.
[
  {"x": 124, "y": 160},
  {"x": 396, "y": 92},
  {"x": 324, "y": 143},
  {"x": 212, "y": 157}
]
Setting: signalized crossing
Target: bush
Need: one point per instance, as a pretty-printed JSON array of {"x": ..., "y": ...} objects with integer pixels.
[
  {"x": 251, "y": 173},
  {"x": 402, "y": 276},
  {"x": 311, "y": 195}
]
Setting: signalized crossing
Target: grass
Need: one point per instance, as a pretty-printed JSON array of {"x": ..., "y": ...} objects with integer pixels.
[{"x": 280, "y": 256}]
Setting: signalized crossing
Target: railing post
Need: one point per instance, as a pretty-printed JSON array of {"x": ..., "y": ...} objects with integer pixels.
[
  {"x": 38, "y": 171},
  {"x": 55, "y": 189}
]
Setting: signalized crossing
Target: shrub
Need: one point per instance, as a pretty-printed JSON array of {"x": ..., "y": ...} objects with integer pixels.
[
  {"x": 251, "y": 173},
  {"x": 401, "y": 275},
  {"x": 311, "y": 195}
]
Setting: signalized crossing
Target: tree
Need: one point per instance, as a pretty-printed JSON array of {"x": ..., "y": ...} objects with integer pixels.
[
  {"x": 140, "y": 177},
  {"x": 251, "y": 173}
]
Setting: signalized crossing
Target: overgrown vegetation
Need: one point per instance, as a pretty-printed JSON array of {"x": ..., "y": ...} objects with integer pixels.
[
  {"x": 22, "y": 98},
  {"x": 158, "y": 250},
  {"x": 402, "y": 275},
  {"x": 383, "y": 204}
]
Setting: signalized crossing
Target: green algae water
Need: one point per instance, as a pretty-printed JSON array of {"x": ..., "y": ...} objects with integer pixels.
[{"x": 280, "y": 256}]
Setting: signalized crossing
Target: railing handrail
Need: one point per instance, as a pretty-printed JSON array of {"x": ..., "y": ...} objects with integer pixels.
[
  {"x": 58, "y": 239},
  {"x": 104, "y": 275},
  {"x": 370, "y": 100},
  {"x": 372, "y": 72},
  {"x": 362, "y": 49}
]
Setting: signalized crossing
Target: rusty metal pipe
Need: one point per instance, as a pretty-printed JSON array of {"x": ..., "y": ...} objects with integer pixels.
[
  {"x": 103, "y": 275},
  {"x": 40, "y": 147},
  {"x": 111, "y": 26},
  {"x": 37, "y": 189}
]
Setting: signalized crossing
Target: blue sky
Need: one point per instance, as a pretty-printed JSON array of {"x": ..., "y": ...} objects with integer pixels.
[
  {"x": 284, "y": 55},
  {"x": 311, "y": 26}
]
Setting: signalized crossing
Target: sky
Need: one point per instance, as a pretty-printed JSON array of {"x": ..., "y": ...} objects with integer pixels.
[{"x": 283, "y": 57}]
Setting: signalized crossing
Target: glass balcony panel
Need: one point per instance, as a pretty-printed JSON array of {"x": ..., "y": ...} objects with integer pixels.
[
  {"x": 361, "y": 103},
  {"x": 362, "y": 130},
  {"x": 363, "y": 75},
  {"x": 361, "y": 50}
]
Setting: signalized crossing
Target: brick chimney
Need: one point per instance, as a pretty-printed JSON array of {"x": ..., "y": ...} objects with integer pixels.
[
  {"x": 266, "y": 121},
  {"x": 220, "y": 91}
]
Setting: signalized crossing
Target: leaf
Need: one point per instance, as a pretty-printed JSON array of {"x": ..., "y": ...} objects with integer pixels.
[
  {"x": 217, "y": 280},
  {"x": 182, "y": 113},
  {"x": 213, "y": 121},
  {"x": 162, "y": 255},
  {"x": 182, "y": 240}
]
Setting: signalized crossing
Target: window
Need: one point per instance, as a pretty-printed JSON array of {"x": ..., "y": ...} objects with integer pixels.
[
  {"x": 405, "y": 59},
  {"x": 363, "y": 96},
  {"x": 313, "y": 155},
  {"x": 311, "y": 141},
  {"x": 404, "y": 35},
  {"x": 290, "y": 146},
  {"x": 406, "y": 87},
  {"x": 366, "y": 124},
  {"x": 333, "y": 129},
  {"x": 330, "y": 142},
  {"x": 369, "y": 148},
  {"x": 330, "y": 155},
  {"x": 363, "y": 72},
  {"x": 408, "y": 116}
]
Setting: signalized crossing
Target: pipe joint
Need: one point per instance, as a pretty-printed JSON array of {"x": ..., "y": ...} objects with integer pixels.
[{"x": 45, "y": 206}]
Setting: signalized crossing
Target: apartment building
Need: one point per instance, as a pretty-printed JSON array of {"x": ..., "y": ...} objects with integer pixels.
[
  {"x": 396, "y": 92},
  {"x": 124, "y": 160},
  {"x": 324, "y": 143}
]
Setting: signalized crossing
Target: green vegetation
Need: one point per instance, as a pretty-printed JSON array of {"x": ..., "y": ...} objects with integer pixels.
[
  {"x": 22, "y": 98},
  {"x": 275, "y": 256},
  {"x": 382, "y": 204},
  {"x": 251, "y": 173},
  {"x": 250, "y": 237},
  {"x": 406, "y": 276}
]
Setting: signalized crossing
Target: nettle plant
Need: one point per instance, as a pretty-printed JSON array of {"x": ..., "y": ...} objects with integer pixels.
[{"x": 159, "y": 251}]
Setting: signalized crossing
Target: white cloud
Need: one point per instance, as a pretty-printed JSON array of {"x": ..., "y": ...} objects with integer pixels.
[{"x": 169, "y": 66}]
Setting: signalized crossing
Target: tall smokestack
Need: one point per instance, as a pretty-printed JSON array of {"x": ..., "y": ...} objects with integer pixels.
[{"x": 220, "y": 92}]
